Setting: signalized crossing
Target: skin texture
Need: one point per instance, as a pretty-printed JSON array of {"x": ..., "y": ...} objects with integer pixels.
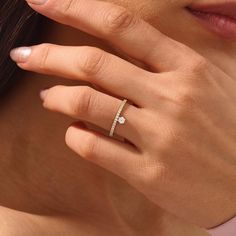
[{"x": 47, "y": 180}]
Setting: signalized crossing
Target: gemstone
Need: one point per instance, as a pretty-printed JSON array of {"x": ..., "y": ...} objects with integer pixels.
[{"x": 121, "y": 120}]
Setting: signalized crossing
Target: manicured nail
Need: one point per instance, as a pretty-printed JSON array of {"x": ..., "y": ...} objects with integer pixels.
[
  {"x": 43, "y": 94},
  {"x": 20, "y": 54},
  {"x": 37, "y": 2}
]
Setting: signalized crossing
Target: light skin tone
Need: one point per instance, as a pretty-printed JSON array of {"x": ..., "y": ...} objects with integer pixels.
[{"x": 69, "y": 171}]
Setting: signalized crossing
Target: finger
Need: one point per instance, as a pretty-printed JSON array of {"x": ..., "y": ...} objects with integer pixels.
[
  {"x": 83, "y": 102},
  {"x": 122, "y": 28},
  {"x": 87, "y": 63},
  {"x": 115, "y": 156}
]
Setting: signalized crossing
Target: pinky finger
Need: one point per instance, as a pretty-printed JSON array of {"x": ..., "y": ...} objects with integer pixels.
[{"x": 113, "y": 155}]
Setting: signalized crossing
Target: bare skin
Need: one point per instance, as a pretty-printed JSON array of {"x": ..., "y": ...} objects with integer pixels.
[{"x": 54, "y": 181}]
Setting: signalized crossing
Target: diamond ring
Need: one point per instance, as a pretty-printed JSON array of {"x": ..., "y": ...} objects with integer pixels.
[{"x": 118, "y": 119}]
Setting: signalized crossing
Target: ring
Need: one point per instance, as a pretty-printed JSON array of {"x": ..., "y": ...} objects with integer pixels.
[{"x": 120, "y": 119}]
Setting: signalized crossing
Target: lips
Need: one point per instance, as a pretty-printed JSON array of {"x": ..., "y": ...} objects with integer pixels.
[
  {"x": 226, "y": 9},
  {"x": 220, "y": 18}
]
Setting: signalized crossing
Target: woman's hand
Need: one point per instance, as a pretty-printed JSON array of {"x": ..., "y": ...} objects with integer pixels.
[{"x": 180, "y": 127}]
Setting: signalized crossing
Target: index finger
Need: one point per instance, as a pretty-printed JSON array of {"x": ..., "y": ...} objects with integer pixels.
[{"x": 131, "y": 34}]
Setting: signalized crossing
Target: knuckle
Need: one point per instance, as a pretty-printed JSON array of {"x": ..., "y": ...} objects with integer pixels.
[
  {"x": 119, "y": 20},
  {"x": 68, "y": 7},
  {"x": 89, "y": 148},
  {"x": 44, "y": 55},
  {"x": 196, "y": 73},
  {"x": 198, "y": 64},
  {"x": 152, "y": 174},
  {"x": 187, "y": 99},
  {"x": 92, "y": 61},
  {"x": 82, "y": 101}
]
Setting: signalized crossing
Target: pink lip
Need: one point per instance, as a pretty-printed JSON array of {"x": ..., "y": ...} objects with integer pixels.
[
  {"x": 220, "y": 19},
  {"x": 227, "y": 9}
]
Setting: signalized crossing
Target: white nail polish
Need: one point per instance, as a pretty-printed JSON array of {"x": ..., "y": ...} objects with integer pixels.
[{"x": 20, "y": 54}]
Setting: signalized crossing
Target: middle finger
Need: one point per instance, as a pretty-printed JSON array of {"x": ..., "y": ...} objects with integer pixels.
[{"x": 90, "y": 64}]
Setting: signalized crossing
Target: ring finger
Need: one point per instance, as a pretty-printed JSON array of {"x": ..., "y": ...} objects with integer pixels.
[{"x": 88, "y": 104}]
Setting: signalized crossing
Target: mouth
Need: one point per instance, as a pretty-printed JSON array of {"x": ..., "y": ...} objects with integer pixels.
[{"x": 220, "y": 19}]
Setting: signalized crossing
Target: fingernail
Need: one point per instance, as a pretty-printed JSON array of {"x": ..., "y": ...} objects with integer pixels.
[
  {"x": 20, "y": 54},
  {"x": 37, "y": 2},
  {"x": 43, "y": 94}
]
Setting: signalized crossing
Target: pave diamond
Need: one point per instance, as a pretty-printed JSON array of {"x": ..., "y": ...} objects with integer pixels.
[{"x": 121, "y": 120}]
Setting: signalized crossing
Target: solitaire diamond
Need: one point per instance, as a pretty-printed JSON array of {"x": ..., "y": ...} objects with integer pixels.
[{"x": 121, "y": 120}]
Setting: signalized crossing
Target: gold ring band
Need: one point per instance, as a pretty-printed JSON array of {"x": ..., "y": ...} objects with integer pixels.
[{"x": 118, "y": 118}]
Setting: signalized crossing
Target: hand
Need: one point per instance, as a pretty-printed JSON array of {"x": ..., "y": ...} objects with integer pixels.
[{"x": 180, "y": 127}]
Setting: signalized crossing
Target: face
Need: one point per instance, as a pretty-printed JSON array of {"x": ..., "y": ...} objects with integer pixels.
[
  {"x": 32, "y": 147},
  {"x": 171, "y": 18}
]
